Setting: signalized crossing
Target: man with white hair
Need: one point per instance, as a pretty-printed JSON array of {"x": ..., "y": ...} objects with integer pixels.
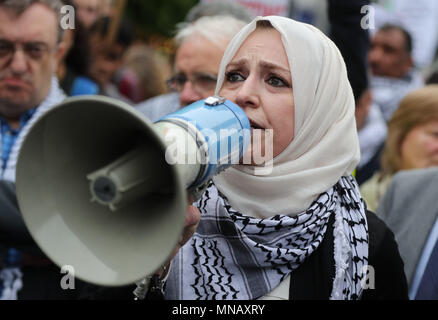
[{"x": 200, "y": 47}]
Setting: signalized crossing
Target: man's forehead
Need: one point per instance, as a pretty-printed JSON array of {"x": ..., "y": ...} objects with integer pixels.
[
  {"x": 199, "y": 55},
  {"x": 38, "y": 23},
  {"x": 197, "y": 66},
  {"x": 391, "y": 37}
]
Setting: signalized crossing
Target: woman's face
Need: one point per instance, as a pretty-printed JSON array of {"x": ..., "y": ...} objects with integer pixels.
[
  {"x": 419, "y": 148},
  {"x": 258, "y": 79}
]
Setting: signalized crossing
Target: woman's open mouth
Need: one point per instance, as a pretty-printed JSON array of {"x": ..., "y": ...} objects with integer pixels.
[{"x": 255, "y": 125}]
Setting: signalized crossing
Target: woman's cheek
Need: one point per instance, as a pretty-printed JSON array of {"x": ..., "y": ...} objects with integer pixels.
[{"x": 225, "y": 94}]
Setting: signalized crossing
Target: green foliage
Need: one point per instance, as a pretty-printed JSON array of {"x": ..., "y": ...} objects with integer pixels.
[{"x": 157, "y": 17}]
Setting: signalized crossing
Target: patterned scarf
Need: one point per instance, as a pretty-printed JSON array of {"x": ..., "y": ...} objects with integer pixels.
[{"x": 236, "y": 257}]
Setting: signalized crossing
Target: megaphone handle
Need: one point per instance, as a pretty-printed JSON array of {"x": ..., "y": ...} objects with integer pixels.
[{"x": 152, "y": 287}]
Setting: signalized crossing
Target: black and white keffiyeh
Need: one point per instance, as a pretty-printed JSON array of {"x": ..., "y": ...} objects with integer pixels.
[{"x": 236, "y": 257}]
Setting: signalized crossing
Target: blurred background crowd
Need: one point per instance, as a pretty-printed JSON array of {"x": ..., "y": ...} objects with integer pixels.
[
  {"x": 160, "y": 55},
  {"x": 389, "y": 46}
]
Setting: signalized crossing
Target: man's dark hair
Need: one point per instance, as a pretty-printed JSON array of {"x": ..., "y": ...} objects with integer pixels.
[
  {"x": 406, "y": 35},
  {"x": 124, "y": 36},
  {"x": 19, "y": 6}
]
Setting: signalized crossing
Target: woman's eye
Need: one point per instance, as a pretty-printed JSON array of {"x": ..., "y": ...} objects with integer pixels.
[
  {"x": 234, "y": 77},
  {"x": 277, "y": 82}
]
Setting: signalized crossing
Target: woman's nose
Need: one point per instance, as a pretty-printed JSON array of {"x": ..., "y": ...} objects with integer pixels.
[{"x": 248, "y": 95}]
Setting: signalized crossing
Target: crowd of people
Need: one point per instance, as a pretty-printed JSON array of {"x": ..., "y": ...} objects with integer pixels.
[{"x": 355, "y": 122}]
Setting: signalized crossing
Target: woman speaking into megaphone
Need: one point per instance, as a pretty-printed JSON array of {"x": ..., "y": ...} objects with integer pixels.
[{"x": 292, "y": 226}]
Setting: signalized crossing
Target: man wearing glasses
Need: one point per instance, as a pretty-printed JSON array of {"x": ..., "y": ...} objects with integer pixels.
[
  {"x": 30, "y": 47},
  {"x": 200, "y": 47}
]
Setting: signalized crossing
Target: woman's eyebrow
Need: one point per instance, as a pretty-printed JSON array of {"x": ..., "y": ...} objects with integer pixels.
[
  {"x": 237, "y": 63},
  {"x": 271, "y": 66},
  {"x": 265, "y": 65}
]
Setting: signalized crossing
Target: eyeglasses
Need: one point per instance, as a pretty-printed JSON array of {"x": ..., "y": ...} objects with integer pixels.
[
  {"x": 32, "y": 50},
  {"x": 202, "y": 82}
]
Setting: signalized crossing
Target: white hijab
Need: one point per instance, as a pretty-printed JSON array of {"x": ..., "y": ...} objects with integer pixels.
[{"x": 325, "y": 145}]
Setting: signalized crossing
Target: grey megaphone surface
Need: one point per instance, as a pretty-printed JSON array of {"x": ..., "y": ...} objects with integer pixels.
[{"x": 105, "y": 247}]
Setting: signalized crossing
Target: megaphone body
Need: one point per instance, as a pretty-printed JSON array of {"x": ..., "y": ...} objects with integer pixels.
[{"x": 104, "y": 191}]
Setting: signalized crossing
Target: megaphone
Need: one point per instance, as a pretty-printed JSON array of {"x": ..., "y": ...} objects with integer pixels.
[{"x": 104, "y": 191}]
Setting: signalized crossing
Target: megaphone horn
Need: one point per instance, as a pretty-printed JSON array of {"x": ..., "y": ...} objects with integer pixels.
[{"x": 103, "y": 190}]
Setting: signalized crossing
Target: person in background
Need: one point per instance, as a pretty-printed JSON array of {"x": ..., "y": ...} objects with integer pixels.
[
  {"x": 391, "y": 52},
  {"x": 372, "y": 131},
  {"x": 106, "y": 55},
  {"x": 419, "y": 18},
  {"x": 219, "y": 8},
  {"x": 87, "y": 11},
  {"x": 392, "y": 67},
  {"x": 412, "y": 142},
  {"x": 106, "y": 8},
  {"x": 161, "y": 105},
  {"x": 30, "y": 49},
  {"x": 200, "y": 46},
  {"x": 409, "y": 208},
  {"x": 73, "y": 64},
  {"x": 143, "y": 74},
  {"x": 432, "y": 78},
  {"x": 353, "y": 41}
]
